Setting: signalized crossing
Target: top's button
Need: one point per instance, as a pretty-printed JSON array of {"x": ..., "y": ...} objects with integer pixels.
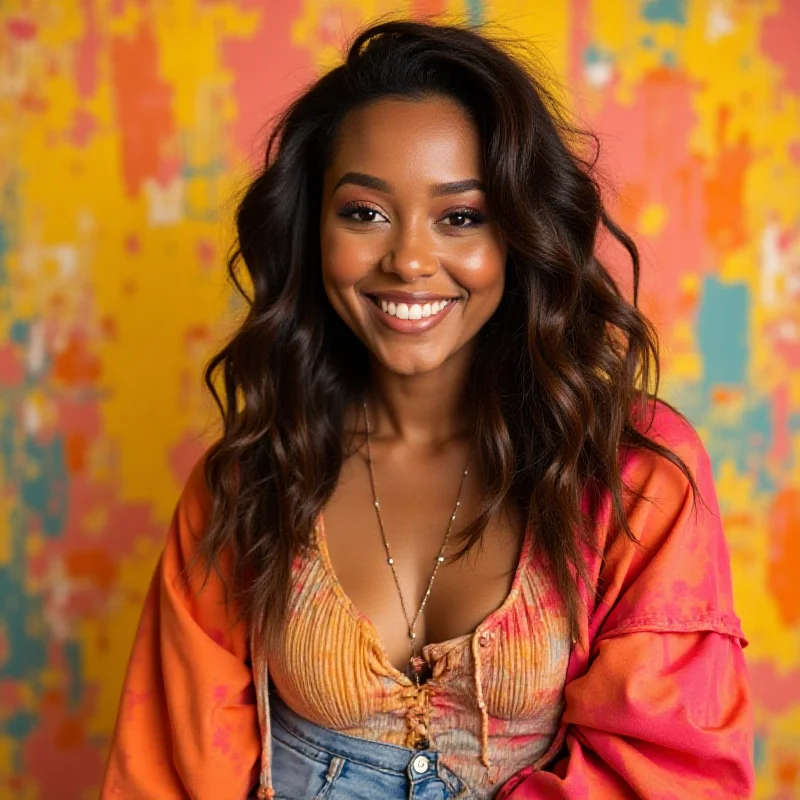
[
  {"x": 420, "y": 765},
  {"x": 484, "y": 640}
]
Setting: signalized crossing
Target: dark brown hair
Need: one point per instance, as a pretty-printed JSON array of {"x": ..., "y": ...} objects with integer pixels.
[{"x": 560, "y": 369}]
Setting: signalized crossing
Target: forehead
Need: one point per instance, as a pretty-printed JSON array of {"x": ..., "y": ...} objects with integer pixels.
[{"x": 398, "y": 138}]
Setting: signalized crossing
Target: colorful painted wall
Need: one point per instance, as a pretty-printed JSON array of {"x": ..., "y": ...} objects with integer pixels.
[{"x": 126, "y": 129}]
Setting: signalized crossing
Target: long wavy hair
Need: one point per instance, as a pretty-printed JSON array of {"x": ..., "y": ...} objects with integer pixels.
[{"x": 563, "y": 372}]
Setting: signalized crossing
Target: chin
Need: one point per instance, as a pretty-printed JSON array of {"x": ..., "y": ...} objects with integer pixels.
[{"x": 411, "y": 366}]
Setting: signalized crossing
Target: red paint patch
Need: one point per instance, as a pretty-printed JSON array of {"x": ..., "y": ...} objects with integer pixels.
[
  {"x": 21, "y": 29},
  {"x": 144, "y": 108}
]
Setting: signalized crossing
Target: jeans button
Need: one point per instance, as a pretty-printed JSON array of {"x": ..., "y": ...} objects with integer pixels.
[{"x": 420, "y": 765}]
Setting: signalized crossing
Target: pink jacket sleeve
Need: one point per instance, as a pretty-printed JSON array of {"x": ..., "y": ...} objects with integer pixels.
[
  {"x": 658, "y": 702},
  {"x": 187, "y": 724}
]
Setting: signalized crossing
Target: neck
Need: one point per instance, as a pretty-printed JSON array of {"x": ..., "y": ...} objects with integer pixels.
[{"x": 422, "y": 410}]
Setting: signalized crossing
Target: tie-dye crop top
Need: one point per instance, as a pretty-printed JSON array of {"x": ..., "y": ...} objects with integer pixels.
[
  {"x": 494, "y": 699},
  {"x": 653, "y": 700}
]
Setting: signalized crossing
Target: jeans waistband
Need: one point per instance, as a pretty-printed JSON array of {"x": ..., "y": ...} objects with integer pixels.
[{"x": 379, "y": 755}]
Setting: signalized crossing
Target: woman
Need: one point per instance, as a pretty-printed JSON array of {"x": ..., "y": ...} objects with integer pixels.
[{"x": 447, "y": 545}]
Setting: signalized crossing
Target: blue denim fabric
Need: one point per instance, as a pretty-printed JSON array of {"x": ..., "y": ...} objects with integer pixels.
[{"x": 313, "y": 763}]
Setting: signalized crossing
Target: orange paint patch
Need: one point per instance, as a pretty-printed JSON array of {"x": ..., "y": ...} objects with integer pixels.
[
  {"x": 784, "y": 549},
  {"x": 75, "y": 449},
  {"x": 75, "y": 363},
  {"x": 93, "y": 564},
  {"x": 144, "y": 108},
  {"x": 422, "y": 8},
  {"x": 725, "y": 208},
  {"x": 69, "y": 734}
]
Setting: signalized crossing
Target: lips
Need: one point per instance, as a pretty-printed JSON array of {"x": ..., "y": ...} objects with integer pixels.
[{"x": 410, "y": 312}]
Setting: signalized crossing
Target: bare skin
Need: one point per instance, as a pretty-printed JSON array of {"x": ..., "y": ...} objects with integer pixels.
[{"x": 403, "y": 239}]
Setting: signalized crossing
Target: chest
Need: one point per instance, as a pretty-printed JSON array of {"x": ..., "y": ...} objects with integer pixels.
[{"x": 417, "y": 502}]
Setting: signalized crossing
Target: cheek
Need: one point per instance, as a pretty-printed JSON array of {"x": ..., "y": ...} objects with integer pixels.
[
  {"x": 482, "y": 272},
  {"x": 344, "y": 262}
]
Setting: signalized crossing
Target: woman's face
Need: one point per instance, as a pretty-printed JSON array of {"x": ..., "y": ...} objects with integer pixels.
[{"x": 411, "y": 260}]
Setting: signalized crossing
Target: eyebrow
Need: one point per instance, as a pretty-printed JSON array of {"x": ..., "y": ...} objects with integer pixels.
[{"x": 437, "y": 190}]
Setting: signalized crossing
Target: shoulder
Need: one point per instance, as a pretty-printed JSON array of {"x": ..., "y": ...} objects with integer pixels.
[
  {"x": 677, "y": 573},
  {"x": 668, "y": 427}
]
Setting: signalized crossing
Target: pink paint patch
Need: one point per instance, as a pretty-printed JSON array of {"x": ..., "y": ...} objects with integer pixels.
[
  {"x": 781, "y": 442},
  {"x": 774, "y": 691},
  {"x": 220, "y": 694},
  {"x": 222, "y": 740},
  {"x": 267, "y": 69},
  {"x": 206, "y": 252},
  {"x": 59, "y": 747},
  {"x": 645, "y": 157},
  {"x": 184, "y": 455},
  {"x": 86, "y": 52},
  {"x": 83, "y": 126},
  {"x": 21, "y": 29},
  {"x": 12, "y": 371},
  {"x": 132, "y": 244},
  {"x": 779, "y": 42}
]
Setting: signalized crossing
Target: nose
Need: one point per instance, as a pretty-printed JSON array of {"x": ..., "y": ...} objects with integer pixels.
[{"x": 411, "y": 256}]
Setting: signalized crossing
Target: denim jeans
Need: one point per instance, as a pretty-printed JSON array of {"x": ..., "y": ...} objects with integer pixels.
[{"x": 313, "y": 763}]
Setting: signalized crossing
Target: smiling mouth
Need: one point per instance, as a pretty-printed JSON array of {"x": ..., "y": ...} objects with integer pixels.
[{"x": 411, "y": 310}]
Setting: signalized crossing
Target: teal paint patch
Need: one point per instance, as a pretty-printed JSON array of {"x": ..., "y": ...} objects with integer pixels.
[
  {"x": 22, "y": 614},
  {"x": 665, "y": 11},
  {"x": 648, "y": 42},
  {"x": 475, "y": 11},
  {"x": 669, "y": 59},
  {"x": 595, "y": 55},
  {"x": 722, "y": 331},
  {"x": 20, "y": 725},
  {"x": 43, "y": 489},
  {"x": 19, "y": 331},
  {"x": 759, "y": 750}
]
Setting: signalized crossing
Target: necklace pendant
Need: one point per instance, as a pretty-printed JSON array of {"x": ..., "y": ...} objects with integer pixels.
[{"x": 417, "y": 669}]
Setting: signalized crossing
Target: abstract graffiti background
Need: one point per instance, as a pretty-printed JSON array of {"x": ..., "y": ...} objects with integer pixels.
[{"x": 127, "y": 128}]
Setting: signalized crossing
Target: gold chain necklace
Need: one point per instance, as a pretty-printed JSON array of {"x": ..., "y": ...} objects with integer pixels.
[{"x": 416, "y": 663}]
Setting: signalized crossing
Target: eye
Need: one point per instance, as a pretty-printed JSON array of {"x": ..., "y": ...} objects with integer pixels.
[
  {"x": 466, "y": 218},
  {"x": 351, "y": 210}
]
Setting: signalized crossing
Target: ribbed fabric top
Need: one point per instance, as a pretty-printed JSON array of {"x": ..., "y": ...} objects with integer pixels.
[{"x": 491, "y": 706}]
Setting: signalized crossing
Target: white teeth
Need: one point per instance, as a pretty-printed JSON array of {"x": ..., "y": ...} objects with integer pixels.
[{"x": 413, "y": 311}]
